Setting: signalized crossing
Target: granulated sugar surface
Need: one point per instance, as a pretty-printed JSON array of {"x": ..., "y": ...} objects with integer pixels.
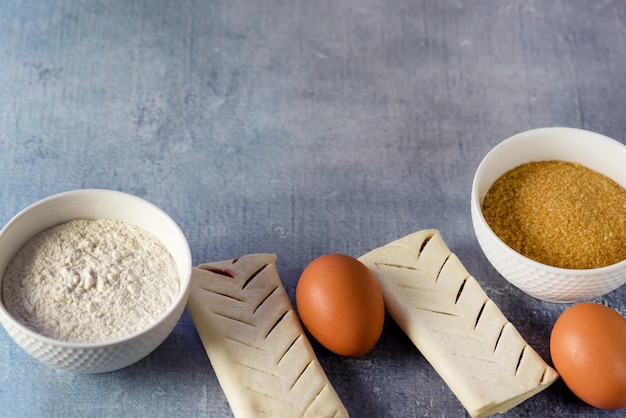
[
  {"x": 90, "y": 281},
  {"x": 559, "y": 213}
]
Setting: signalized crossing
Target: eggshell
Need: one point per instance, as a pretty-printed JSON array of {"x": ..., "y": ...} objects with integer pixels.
[
  {"x": 341, "y": 304},
  {"x": 588, "y": 348}
]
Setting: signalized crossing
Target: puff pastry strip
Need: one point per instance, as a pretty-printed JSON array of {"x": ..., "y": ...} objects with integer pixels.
[
  {"x": 255, "y": 343},
  {"x": 457, "y": 328}
]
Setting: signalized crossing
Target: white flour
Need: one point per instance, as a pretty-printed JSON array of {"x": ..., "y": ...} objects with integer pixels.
[{"x": 90, "y": 281}]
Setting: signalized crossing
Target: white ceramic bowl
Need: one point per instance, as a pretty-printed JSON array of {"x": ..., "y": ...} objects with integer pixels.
[
  {"x": 95, "y": 204},
  {"x": 595, "y": 151}
]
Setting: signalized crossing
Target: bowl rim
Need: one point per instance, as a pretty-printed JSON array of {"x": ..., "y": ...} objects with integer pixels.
[
  {"x": 184, "y": 282},
  {"x": 476, "y": 204}
]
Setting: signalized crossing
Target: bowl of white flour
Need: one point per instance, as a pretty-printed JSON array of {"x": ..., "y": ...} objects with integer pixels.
[{"x": 92, "y": 280}]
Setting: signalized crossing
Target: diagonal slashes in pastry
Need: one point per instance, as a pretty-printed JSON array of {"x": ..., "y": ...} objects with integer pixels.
[
  {"x": 254, "y": 340},
  {"x": 460, "y": 331}
]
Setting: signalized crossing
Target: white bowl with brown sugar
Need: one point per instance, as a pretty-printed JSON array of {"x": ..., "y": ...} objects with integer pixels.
[
  {"x": 92, "y": 280},
  {"x": 549, "y": 211}
]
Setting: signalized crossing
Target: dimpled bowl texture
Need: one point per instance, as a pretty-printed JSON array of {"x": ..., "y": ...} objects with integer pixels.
[
  {"x": 95, "y": 204},
  {"x": 541, "y": 281}
]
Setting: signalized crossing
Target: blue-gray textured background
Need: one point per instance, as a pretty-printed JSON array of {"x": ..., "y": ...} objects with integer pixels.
[{"x": 298, "y": 128}]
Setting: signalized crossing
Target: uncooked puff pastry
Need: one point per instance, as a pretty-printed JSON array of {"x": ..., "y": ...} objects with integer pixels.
[
  {"x": 457, "y": 328},
  {"x": 253, "y": 338}
]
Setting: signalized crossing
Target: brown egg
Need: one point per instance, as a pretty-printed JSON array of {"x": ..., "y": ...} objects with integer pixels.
[
  {"x": 341, "y": 304},
  {"x": 588, "y": 348}
]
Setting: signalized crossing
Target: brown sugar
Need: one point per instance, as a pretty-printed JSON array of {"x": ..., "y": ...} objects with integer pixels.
[{"x": 560, "y": 214}]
